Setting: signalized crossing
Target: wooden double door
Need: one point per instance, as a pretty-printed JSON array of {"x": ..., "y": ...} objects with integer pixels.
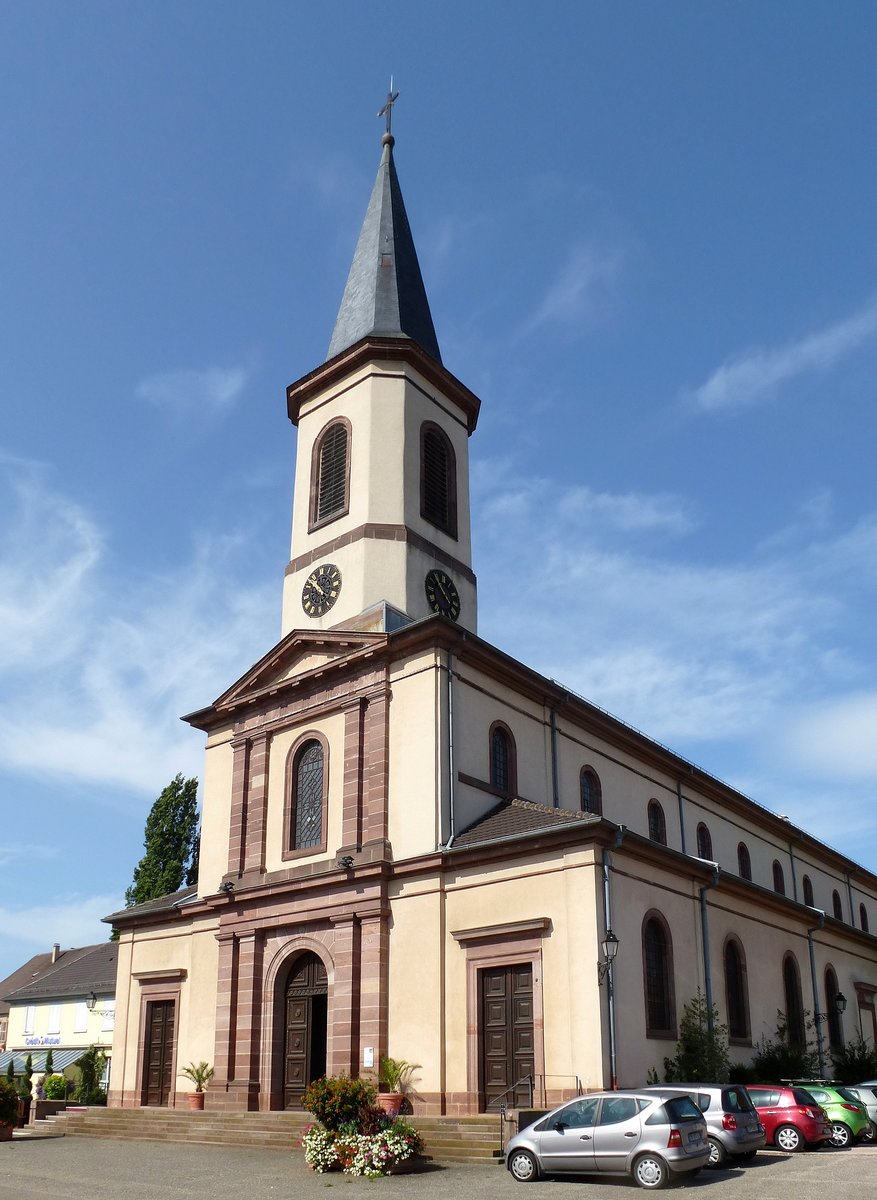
[
  {"x": 158, "y": 1059},
  {"x": 505, "y": 1035},
  {"x": 306, "y": 1027}
]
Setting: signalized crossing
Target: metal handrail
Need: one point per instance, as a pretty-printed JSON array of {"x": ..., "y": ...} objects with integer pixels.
[{"x": 528, "y": 1079}]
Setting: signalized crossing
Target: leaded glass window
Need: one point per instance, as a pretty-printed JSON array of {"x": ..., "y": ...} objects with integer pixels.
[
  {"x": 592, "y": 795},
  {"x": 657, "y": 823},
  {"x": 308, "y": 800}
]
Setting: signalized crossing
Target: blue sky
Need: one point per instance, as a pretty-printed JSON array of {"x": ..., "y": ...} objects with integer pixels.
[{"x": 647, "y": 232}]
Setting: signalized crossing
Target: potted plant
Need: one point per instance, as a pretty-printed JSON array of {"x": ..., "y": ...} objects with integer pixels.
[
  {"x": 395, "y": 1082},
  {"x": 8, "y": 1109},
  {"x": 200, "y": 1074}
]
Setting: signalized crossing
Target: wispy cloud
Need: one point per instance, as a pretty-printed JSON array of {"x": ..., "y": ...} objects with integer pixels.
[
  {"x": 13, "y": 852},
  {"x": 210, "y": 391},
  {"x": 73, "y": 920},
  {"x": 758, "y": 374},
  {"x": 583, "y": 288},
  {"x": 87, "y": 695}
]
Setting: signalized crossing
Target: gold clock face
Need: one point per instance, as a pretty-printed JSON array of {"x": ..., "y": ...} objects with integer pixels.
[
  {"x": 441, "y": 594},
  {"x": 321, "y": 590}
]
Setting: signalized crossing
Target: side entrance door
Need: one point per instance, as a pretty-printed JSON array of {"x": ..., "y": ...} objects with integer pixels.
[
  {"x": 159, "y": 1057},
  {"x": 307, "y": 1001},
  {"x": 505, "y": 1034}
]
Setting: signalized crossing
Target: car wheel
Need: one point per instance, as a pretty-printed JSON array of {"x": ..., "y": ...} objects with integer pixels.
[
  {"x": 650, "y": 1171},
  {"x": 841, "y": 1135},
  {"x": 523, "y": 1166},
  {"x": 788, "y": 1138},
  {"x": 717, "y": 1153},
  {"x": 870, "y": 1134}
]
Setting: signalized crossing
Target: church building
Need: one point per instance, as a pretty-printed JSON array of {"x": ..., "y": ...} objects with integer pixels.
[{"x": 413, "y": 844}]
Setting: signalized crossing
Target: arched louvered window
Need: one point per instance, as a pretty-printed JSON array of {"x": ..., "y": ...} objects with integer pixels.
[
  {"x": 704, "y": 843},
  {"x": 835, "y": 1033},
  {"x": 658, "y": 977},
  {"x": 331, "y": 473},
  {"x": 657, "y": 823},
  {"x": 779, "y": 879},
  {"x": 744, "y": 862},
  {"x": 863, "y": 917},
  {"x": 438, "y": 479},
  {"x": 307, "y": 796},
  {"x": 794, "y": 1001},
  {"x": 591, "y": 792},
  {"x": 808, "y": 890},
  {"x": 837, "y": 906},
  {"x": 736, "y": 991},
  {"x": 502, "y": 760}
]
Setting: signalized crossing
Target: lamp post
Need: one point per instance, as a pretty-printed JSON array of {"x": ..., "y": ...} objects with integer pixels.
[{"x": 609, "y": 946}]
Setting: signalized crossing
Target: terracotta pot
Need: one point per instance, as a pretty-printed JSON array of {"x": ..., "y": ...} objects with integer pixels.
[
  {"x": 390, "y": 1102},
  {"x": 196, "y": 1100}
]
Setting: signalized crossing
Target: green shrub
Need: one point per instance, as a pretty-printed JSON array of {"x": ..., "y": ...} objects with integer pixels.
[
  {"x": 702, "y": 1053},
  {"x": 855, "y": 1061},
  {"x": 91, "y": 1067},
  {"x": 8, "y": 1103},
  {"x": 55, "y": 1087},
  {"x": 784, "y": 1057},
  {"x": 336, "y": 1100}
]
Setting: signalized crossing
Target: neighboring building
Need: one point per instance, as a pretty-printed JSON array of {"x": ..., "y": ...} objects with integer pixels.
[
  {"x": 63, "y": 1001},
  {"x": 414, "y": 844}
]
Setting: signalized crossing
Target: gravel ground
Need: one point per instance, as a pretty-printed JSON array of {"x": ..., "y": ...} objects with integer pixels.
[{"x": 78, "y": 1168}]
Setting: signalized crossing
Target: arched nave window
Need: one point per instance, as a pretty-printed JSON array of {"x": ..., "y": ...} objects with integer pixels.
[
  {"x": 657, "y": 823},
  {"x": 744, "y": 862},
  {"x": 835, "y": 1033},
  {"x": 736, "y": 991},
  {"x": 794, "y": 1001},
  {"x": 503, "y": 766},
  {"x": 808, "y": 891},
  {"x": 779, "y": 879},
  {"x": 863, "y": 917},
  {"x": 658, "y": 977},
  {"x": 704, "y": 843},
  {"x": 837, "y": 906},
  {"x": 591, "y": 792}
]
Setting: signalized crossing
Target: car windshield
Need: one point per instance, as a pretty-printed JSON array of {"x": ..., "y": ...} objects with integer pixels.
[
  {"x": 848, "y": 1094},
  {"x": 736, "y": 1100},
  {"x": 802, "y": 1097}
]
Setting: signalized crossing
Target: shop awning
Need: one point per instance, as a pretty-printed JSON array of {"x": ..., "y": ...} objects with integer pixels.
[{"x": 60, "y": 1059}]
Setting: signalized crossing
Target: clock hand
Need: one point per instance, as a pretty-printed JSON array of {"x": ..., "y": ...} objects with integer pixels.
[{"x": 314, "y": 584}]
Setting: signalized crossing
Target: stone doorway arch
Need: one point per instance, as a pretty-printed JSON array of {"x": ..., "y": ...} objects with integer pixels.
[{"x": 305, "y": 1026}]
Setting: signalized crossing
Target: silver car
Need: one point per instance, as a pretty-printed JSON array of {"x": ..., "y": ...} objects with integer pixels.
[
  {"x": 640, "y": 1134},
  {"x": 733, "y": 1128},
  {"x": 867, "y": 1093}
]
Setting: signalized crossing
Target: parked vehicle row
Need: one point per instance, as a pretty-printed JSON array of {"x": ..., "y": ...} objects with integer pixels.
[{"x": 660, "y": 1132}]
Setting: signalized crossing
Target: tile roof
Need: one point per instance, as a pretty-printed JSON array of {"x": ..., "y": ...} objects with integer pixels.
[
  {"x": 171, "y": 900},
  {"x": 25, "y": 974},
  {"x": 76, "y": 972},
  {"x": 519, "y": 818}
]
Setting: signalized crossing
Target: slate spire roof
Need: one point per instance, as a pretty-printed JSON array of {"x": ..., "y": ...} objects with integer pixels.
[{"x": 385, "y": 295}]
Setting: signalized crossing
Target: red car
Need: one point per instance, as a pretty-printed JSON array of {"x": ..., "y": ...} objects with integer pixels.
[{"x": 791, "y": 1118}]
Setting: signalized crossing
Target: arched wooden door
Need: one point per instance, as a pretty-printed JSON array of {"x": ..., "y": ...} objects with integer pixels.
[{"x": 306, "y": 1011}]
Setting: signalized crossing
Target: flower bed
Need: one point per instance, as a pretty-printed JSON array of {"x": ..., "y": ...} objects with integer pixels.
[{"x": 354, "y": 1153}]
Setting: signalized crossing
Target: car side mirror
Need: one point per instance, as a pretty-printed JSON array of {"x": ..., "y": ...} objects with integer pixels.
[{"x": 559, "y": 1126}]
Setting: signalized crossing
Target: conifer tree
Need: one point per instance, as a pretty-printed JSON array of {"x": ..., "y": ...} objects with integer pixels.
[{"x": 170, "y": 841}]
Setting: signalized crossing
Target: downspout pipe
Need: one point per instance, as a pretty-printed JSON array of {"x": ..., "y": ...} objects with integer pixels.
[
  {"x": 610, "y": 983},
  {"x": 452, "y": 830},
  {"x": 555, "y": 785},
  {"x": 817, "y": 1015},
  {"x": 705, "y": 945}
]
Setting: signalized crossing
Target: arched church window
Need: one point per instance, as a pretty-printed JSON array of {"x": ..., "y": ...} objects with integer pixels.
[
  {"x": 704, "y": 843},
  {"x": 591, "y": 792},
  {"x": 835, "y": 1033},
  {"x": 331, "y": 474},
  {"x": 808, "y": 891},
  {"x": 794, "y": 1000},
  {"x": 837, "y": 906},
  {"x": 736, "y": 990},
  {"x": 438, "y": 479},
  {"x": 863, "y": 917},
  {"x": 658, "y": 977},
  {"x": 779, "y": 879},
  {"x": 744, "y": 862},
  {"x": 657, "y": 823},
  {"x": 307, "y": 795},
  {"x": 502, "y": 760}
]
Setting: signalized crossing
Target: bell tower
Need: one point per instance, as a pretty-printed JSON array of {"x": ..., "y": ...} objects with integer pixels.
[{"x": 380, "y": 529}]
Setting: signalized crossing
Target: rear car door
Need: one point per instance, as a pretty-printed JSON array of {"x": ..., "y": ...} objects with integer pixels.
[{"x": 618, "y": 1132}]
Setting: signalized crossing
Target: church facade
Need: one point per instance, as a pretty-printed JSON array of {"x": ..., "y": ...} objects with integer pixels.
[{"x": 413, "y": 844}]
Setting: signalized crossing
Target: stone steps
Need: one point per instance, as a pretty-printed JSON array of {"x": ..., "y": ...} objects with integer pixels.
[{"x": 446, "y": 1139}]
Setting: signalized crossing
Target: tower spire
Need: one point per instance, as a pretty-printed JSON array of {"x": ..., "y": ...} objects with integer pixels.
[{"x": 384, "y": 295}]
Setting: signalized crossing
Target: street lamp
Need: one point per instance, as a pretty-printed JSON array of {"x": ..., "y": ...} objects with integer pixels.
[
  {"x": 609, "y": 946},
  {"x": 90, "y": 1001}
]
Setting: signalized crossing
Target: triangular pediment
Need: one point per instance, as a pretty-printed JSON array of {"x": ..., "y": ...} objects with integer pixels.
[{"x": 299, "y": 654}]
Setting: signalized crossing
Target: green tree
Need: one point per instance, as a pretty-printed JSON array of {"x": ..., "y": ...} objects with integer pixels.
[
  {"x": 702, "y": 1050},
  {"x": 784, "y": 1056},
  {"x": 10, "y": 1069},
  {"x": 170, "y": 841},
  {"x": 50, "y": 1061},
  {"x": 854, "y": 1061},
  {"x": 91, "y": 1066}
]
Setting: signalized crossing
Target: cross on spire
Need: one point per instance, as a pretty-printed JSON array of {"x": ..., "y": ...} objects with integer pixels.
[{"x": 387, "y": 110}]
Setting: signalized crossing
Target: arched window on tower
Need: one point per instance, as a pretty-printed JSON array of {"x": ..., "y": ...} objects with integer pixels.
[
  {"x": 837, "y": 906},
  {"x": 736, "y": 991},
  {"x": 808, "y": 891},
  {"x": 438, "y": 479},
  {"x": 863, "y": 917},
  {"x": 658, "y": 977},
  {"x": 744, "y": 862},
  {"x": 591, "y": 792},
  {"x": 503, "y": 772},
  {"x": 657, "y": 823},
  {"x": 330, "y": 473},
  {"x": 835, "y": 1033},
  {"x": 779, "y": 879},
  {"x": 306, "y": 797},
  {"x": 704, "y": 843},
  {"x": 794, "y": 1001}
]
